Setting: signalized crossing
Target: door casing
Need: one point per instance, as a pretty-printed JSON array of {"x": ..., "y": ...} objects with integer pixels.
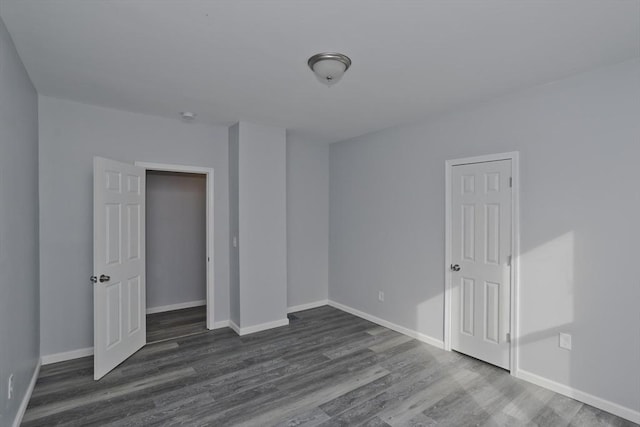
[
  {"x": 515, "y": 245},
  {"x": 208, "y": 172}
]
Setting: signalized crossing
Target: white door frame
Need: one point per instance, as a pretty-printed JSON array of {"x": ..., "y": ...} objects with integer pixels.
[
  {"x": 209, "y": 215},
  {"x": 515, "y": 245}
]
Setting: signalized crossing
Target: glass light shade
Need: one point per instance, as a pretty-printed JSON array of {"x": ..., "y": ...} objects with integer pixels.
[
  {"x": 329, "y": 71},
  {"x": 329, "y": 66}
]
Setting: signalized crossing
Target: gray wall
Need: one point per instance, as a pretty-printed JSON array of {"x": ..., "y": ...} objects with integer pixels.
[
  {"x": 262, "y": 224},
  {"x": 176, "y": 238},
  {"x": 234, "y": 212},
  {"x": 579, "y": 141},
  {"x": 70, "y": 135},
  {"x": 307, "y": 221},
  {"x": 19, "y": 287}
]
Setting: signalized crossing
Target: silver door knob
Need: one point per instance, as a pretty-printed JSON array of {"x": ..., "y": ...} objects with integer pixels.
[
  {"x": 93, "y": 279},
  {"x": 104, "y": 278},
  {"x": 455, "y": 267}
]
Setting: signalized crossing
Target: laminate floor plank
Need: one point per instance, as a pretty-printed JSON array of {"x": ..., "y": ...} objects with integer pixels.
[
  {"x": 176, "y": 323},
  {"x": 326, "y": 368}
]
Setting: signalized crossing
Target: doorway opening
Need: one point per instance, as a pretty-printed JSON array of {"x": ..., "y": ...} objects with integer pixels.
[
  {"x": 179, "y": 250},
  {"x": 176, "y": 247},
  {"x": 482, "y": 258}
]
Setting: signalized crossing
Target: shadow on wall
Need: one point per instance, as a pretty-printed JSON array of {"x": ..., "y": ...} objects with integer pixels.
[
  {"x": 547, "y": 299},
  {"x": 543, "y": 317},
  {"x": 555, "y": 298}
]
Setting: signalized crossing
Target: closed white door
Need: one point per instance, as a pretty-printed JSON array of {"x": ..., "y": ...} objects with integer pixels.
[
  {"x": 481, "y": 256},
  {"x": 118, "y": 262}
]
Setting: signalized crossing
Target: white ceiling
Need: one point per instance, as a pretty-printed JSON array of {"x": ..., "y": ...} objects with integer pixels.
[{"x": 246, "y": 60}]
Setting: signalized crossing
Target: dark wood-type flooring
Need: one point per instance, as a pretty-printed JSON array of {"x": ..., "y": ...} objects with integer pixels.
[
  {"x": 326, "y": 368},
  {"x": 176, "y": 324}
]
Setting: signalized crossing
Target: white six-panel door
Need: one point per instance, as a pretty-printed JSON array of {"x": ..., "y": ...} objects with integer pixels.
[
  {"x": 481, "y": 250},
  {"x": 119, "y": 263}
]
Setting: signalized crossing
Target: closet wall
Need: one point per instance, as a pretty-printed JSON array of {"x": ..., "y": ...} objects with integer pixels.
[{"x": 176, "y": 238}]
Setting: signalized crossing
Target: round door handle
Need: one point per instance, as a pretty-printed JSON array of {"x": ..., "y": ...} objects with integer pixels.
[
  {"x": 455, "y": 267},
  {"x": 104, "y": 278}
]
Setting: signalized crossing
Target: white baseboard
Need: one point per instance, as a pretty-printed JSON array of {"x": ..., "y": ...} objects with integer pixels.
[
  {"x": 83, "y": 352},
  {"x": 406, "y": 331},
  {"x": 27, "y": 396},
  {"x": 67, "y": 355},
  {"x": 221, "y": 324},
  {"x": 605, "y": 405},
  {"x": 587, "y": 398},
  {"x": 257, "y": 328},
  {"x": 178, "y": 306},
  {"x": 235, "y": 327},
  {"x": 307, "y": 306}
]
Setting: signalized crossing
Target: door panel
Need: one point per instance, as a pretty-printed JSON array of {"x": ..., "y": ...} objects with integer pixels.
[
  {"x": 468, "y": 232},
  {"x": 492, "y": 312},
  {"x": 481, "y": 246},
  {"x": 492, "y": 227},
  {"x": 119, "y": 265},
  {"x": 135, "y": 291},
  {"x": 466, "y": 303},
  {"x": 113, "y": 312}
]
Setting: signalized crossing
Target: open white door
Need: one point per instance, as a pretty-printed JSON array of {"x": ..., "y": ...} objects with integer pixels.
[
  {"x": 481, "y": 253},
  {"x": 118, "y": 263}
]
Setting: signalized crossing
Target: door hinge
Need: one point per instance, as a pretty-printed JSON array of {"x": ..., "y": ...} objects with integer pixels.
[
  {"x": 508, "y": 336},
  {"x": 509, "y": 260},
  {"x": 510, "y": 181}
]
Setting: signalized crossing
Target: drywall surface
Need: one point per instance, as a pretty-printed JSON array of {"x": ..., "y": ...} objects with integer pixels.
[
  {"x": 579, "y": 141},
  {"x": 234, "y": 256},
  {"x": 71, "y": 134},
  {"x": 19, "y": 285},
  {"x": 262, "y": 224},
  {"x": 176, "y": 235},
  {"x": 307, "y": 221}
]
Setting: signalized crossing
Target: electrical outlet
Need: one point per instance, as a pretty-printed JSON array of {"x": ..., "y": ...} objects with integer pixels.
[
  {"x": 381, "y": 296},
  {"x": 10, "y": 387},
  {"x": 564, "y": 341}
]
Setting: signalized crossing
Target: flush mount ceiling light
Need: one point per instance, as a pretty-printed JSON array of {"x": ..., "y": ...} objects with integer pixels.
[
  {"x": 188, "y": 116},
  {"x": 329, "y": 66}
]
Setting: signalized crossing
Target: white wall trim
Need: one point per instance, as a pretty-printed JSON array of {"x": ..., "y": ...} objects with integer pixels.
[
  {"x": 258, "y": 328},
  {"x": 67, "y": 355},
  {"x": 83, "y": 352},
  {"x": 406, "y": 331},
  {"x": 587, "y": 398},
  {"x": 307, "y": 306},
  {"x": 584, "y": 397},
  {"x": 221, "y": 324},
  {"x": 235, "y": 327},
  {"x": 209, "y": 172},
  {"x": 179, "y": 306},
  {"x": 515, "y": 245},
  {"x": 27, "y": 396}
]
